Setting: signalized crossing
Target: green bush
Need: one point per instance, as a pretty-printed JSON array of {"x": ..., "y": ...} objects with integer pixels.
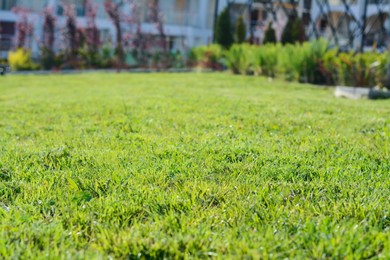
[
  {"x": 240, "y": 30},
  {"x": 290, "y": 62},
  {"x": 239, "y": 58},
  {"x": 356, "y": 69},
  {"x": 51, "y": 60},
  {"x": 266, "y": 60},
  {"x": 313, "y": 53},
  {"x": 207, "y": 56},
  {"x": 304, "y": 62},
  {"x": 328, "y": 69},
  {"x": 270, "y": 35},
  {"x": 382, "y": 70},
  {"x": 91, "y": 57},
  {"x": 311, "y": 62},
  {"x": 223, "y": 30},
  {"x": 21, "y": 60},
  {"x": 293, "y": 31}
]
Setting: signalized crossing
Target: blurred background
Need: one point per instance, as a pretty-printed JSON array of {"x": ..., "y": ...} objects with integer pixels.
[{"x": 90, "y": 33}]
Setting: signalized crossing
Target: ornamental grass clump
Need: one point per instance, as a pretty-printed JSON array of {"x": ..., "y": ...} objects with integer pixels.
[
  {"x": 266, "y": 60},
  {"x": 382, "y": 70},
  {"x": 239, "y": 58},
  {"x": 207, "y": 57}
]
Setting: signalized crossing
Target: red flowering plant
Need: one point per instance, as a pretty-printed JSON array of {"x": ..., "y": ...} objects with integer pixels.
[
  {"x": 48, "y": 59},
  {"x": 114, "y": 11},
  {"x": 24, "y": 28}
]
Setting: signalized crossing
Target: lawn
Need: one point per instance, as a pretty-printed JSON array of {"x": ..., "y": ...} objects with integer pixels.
[{"x": 190, "y": 166}]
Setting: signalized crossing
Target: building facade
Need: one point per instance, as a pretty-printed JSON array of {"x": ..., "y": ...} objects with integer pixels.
[
  {"x": 350, "y": 24},
  {"x": 187, "y": 23}
]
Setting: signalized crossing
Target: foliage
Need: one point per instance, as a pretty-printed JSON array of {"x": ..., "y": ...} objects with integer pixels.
[
  {"x": 294, "y": 31},
  {"x": 92, "y": 32},
  {"x": 311, "y": 62},
  {"x": 328, "y": 68},
  {"x": 270, "y": 35},
  {"x": 266, "y": 62},
  {"x": 156, "y": 17},
  {"x": 21, "y": 60},
  {"x": 223, "y": 30},
  {"x": 240, "y": 30},
  {"x": 48, "y": 59},
  {"x": 304, "y": 61},
  {"x": 239, "y": 58},
  {"x": 382, "y": 70},
  {"x": 356, "y": 69},
  {"x": 49, "y": 24},
  {"x": 176, "y": 166},
  {"x": 24, "y": 28},
  {"x": 207, "y": 56},
  {"x": 113, "y": 10},
  {"x": 72, "y": 36}
]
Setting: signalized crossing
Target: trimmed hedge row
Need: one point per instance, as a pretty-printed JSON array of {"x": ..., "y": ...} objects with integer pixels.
[{"x": 311, "y": 62}]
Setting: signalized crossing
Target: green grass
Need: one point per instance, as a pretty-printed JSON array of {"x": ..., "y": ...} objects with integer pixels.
[{"x": 190, "y": 166}]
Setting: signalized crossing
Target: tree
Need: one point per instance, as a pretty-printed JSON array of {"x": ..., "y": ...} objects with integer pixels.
[
  {"x": 294, "y": 31},
  {"x": 223, "y": 30},
  {"x": 240, "y": 30},
  {"x": 139, "y": 39},
  {"x": 92, "y": 32},
  {"x": 270, "y": 34},
  {"x": 72, "y": 39},
  {"x": 161, "y": 57},
  {"x": 48, "y": 38},
  {"x": 156, "y": 17},
  {"x": 113, "y": 11},
  {"x": 49, "y": 24},
  {"x": 23, "y": 27}
]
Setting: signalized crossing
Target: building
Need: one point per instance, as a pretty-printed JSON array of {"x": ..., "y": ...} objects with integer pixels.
[
  {"x": 349, "y": 24},
  {"x": 352, "y": 24},
  {"x": 187, "y": 23}
]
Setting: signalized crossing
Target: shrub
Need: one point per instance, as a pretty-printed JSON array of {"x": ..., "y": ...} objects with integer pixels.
[
  {"x": 355, "y": 69},
  {"x": 207, "y": 56},
  {"x": 21, "y": 60},
  {"x": 313, "y": 53},
  {"x": 304, "y": 62},
  {"x": 240, "y": 30},
  {"x": 290, "y": 61},
  {"x": 382, "y": 70},
  {"x": 223, "y": 30},
  {"x": 177, "y": 60},
  {"x": 240, "y": 58},
  {"x": 47, "y": 58},
  {"x": 311, "y": 62},
  {"x": 327, "y": 66},
  {"x": 266, "y": 60},
  {"x": 293, "y": 31},
  {"x": 91, "y": 58},
  {"x": 270, "y": 35}
]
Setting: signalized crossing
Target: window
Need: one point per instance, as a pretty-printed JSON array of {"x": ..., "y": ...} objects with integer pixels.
[
  {"x": 7, "y": 4},
  {"x": 7, "y": 28},
  {"x": 7, "y": 31},
  {"x": 181, "y": 5},
  {"x": 79, "y": 5},
  {"x": 32, "y": 5}
]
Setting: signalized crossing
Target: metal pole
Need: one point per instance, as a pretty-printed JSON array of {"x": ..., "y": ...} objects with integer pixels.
[
  {"x": 364, "y": 24},
  {"x": 250, "y": 7},
  {"x": 215, "y": 18}
]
